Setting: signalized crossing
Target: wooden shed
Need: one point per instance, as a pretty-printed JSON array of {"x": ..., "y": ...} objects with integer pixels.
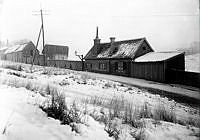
[{"x": 154, "y": 66}]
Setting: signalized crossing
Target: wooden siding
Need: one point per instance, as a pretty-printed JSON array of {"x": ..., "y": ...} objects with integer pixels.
[
  {"x": 184, "y": 77},
  {"x": 146, "y": 70},
  {"x": 94, "y": 66},
  {"x": 125, "y": 71},
  {"x": 177, "y": 62}
]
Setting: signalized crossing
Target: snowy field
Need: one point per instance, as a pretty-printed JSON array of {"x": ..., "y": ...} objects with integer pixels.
[
  {"x": 91, "y": 108},
  {"x": 192, "y": 62}
]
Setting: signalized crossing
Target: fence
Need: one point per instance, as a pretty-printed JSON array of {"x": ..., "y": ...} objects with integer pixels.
[{"x": 183, "y": 77}]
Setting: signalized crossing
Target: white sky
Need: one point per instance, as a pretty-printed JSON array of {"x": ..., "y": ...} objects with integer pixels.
[{"x": 73, "y": 22}]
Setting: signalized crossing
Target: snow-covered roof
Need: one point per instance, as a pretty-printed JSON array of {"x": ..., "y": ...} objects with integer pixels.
[
  {"x": 156, "y": 56},
  {"x": 118, "y": 49},
  {"x": 16, "y": 48},
  {"x": 3, "y": 48}
]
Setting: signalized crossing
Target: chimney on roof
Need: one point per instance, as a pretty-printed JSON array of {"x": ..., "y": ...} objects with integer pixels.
[
  {"x": 97, "y": 48},
  {"x": 112, "y": 47},
  {"x": 112, "y": 39},
  {"x": 97, "y": 40}
]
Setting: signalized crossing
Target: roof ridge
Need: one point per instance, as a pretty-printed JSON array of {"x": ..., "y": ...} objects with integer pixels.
[
  {"x": 169, "y": 52},
  {"x": 55, "y": 45},
  {"x": 124, "y": 40}
]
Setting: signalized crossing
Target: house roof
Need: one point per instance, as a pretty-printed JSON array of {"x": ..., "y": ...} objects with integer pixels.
[
  {"x": 17, "y": 48},
  {"x": 3, "y": 48},
  {"x": 157, "y": 56},
  {"x": 122, "y": 49},
  {"x": 56, "y": 49}
]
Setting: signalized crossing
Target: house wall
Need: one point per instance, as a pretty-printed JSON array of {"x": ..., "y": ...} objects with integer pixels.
[
  {"x": 154, "y": 71},
  {"x": 177, "y": 62},
  {"x": 120, "y": 67},
  {"x": 112, "y": 66},
  {"x": 94, "y": 66},
  {"x": 73, "y": 65}
]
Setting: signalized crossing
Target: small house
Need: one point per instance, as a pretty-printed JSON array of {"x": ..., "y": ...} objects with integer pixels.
[{"x": 115, "y": 57}]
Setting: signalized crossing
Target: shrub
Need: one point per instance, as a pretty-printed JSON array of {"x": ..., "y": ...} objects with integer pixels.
[
  {"x": 12, "y": 66},
  {"x": 165, "y": 114},
  {"x": 56, "y": 106},
  {"x": 145, "y": 111},
  {"x": 113, "y": 128}
]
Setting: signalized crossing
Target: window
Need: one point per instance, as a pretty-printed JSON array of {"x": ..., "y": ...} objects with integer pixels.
[
  {"x": 31, "y": 52},
  {"x": 144, "y": 48},
  {"x": 102, "y": 66},
  {"x": 120, "y": 66},
  {"x": 116, "y": 65},
  {"x": 89, "y": 66}
]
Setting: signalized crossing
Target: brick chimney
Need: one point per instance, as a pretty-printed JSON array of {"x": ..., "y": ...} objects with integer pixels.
[
  {"x": 97, "y": 40},
  {"x": 112, "y": 47},
  {"x": 112, "y": 40},
  {"x": 96, "y": 43}
]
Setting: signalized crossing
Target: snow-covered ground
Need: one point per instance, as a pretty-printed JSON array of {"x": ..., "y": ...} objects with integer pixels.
[
  {"x": 22, "y": 119},
  {"x": 192, "y": 62}
]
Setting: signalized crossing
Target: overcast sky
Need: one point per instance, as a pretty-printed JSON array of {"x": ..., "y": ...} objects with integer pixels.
[{"x": 167, "y": 24}]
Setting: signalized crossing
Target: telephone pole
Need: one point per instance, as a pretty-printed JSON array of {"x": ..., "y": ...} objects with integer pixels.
[{"x": 43, "y": 37}]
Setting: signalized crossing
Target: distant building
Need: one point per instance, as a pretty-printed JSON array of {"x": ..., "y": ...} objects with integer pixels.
[
  {"x": 55, "y": 52},
  {"x": 21, "y": 52},
  {"x": 2, "y": 53}
]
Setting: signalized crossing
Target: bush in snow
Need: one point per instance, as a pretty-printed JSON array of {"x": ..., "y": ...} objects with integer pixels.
[
  {"x": 113, "y": 128},
  {"x": 145, "y": 111},
  {"x": 56, "y": 106},
  {"x": 12, "y": 66},
  {"x": 164, "y": 113},
  {"x": 72, "y": 114}
]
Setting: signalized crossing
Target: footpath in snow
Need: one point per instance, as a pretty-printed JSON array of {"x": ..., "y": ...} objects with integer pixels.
[{"x": 173, "y": 91}]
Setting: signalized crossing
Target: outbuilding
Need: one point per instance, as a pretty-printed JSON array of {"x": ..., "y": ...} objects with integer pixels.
[{"x": 156, "y": 66}]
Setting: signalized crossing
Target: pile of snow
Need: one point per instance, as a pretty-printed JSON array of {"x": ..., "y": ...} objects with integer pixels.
[{"x": 192, "y": 62}]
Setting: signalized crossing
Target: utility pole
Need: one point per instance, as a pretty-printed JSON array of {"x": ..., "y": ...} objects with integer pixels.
[{"x": 43, "y": 39}]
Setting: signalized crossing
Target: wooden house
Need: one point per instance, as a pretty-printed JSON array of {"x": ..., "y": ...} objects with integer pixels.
[
  {"x": 21, "y": 52},
  {"x": 115, "y": 57}
]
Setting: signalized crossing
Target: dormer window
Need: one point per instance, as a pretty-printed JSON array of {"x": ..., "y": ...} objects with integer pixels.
[{"x": 115, "y": 50}]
